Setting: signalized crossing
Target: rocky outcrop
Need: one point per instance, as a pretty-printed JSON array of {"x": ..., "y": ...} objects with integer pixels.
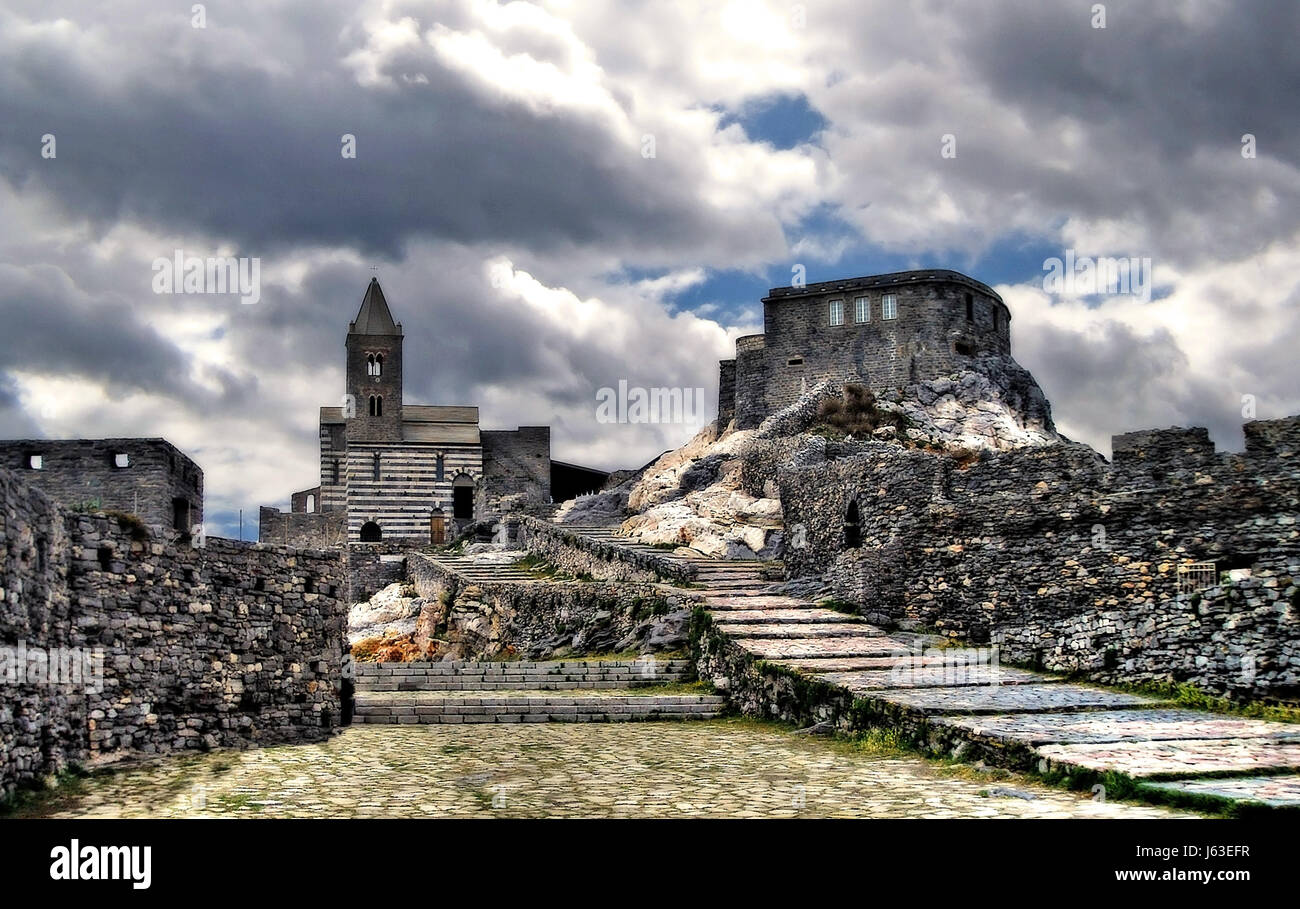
[{"x": 391, "y": 611}]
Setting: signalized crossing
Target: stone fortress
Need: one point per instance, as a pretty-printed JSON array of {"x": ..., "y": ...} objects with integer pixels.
[
  {"x": 885, "y": 332},
  {"x": 965, "y": 516}
]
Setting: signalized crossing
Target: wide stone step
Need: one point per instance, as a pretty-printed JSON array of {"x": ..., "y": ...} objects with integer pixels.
[
  {"x": 797, "y": 630},
  {"x": 1183, "y": 757},
  {"x": 511, "y": 676},
  {"x": 784, "y": 616},
  {"x": 514, "y": 667},
  {"x": 828, "y": 648},
  {"x": 940, "y": 676},
  {"x": 723, "y": 603},
  {"x": 1044, "y": 698},
  {"x": 1117, "y": 726},
  {"x": 429, "y": 708}
]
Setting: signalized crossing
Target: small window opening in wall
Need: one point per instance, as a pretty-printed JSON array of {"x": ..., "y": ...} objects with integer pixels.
[
  {"x": 374, "y": 465},
  {"x": 309, "y": 584},
  {"x": 440, "y": 468},
  {"x": 862, "y": 309},
  {"x": 997, "y": 319},
  {"x": 336, "y": 471},
  {"x": 794, "y": 361},
  {"x": 889, "y": 306},
  {"x": 42, "y": 553},
  {"x": 966, "y": 350},
  {"x": 35, "y": 461},
  {"x": 191, "y": 576},
  {"x": 105, "y": 554},
  {"x": 852, "y": 527},
  {"x": 311, "y": 503},
  {"x": 259, "y": 585},
  {"x": 1195, "y": 576},
  {"x": 970, "y": 308},
  {"x": 379, "y": 364},
  {"x": 837, "y": 312},
  {"x": 121, "y": 459}
]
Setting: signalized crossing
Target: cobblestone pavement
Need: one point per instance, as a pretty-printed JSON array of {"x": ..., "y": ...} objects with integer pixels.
[{"x": 723, "y": 768}]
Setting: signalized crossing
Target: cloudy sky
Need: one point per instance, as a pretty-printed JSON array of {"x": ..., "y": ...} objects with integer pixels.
[{"x": 504, "y": 191}]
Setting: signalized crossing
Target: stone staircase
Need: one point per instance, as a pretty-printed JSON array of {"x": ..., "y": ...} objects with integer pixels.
[
  {"x": 482, "y": 572},
  {"x": 955, "y": 699},
  {"x": 526, "y": 692}
]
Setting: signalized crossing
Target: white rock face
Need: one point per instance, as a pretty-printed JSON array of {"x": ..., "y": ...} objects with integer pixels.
[
  {"x": 693, "y": 497},
  {"x": 994, "y": 405},
  {"x": 393, "y": 609}
]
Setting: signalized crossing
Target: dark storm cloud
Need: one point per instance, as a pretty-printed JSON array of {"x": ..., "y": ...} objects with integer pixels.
[
  {"x": 1163, "y": 96},
  {"x": 54, "y": 328},
  {"x": 1111, "y": 379},
  {"x": 191, "y": 141}
]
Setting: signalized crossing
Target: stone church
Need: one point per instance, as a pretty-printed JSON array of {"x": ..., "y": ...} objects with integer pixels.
[{"x": 392, "y": 471}]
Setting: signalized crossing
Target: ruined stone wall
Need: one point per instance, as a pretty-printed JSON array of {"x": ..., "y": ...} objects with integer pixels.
[
  {"x": 750, "y": 394},
  {"x": 42, "y": 725},
  {"x": 302, "y": 530},
  {"x": 726, "y": 393},
  {"x": 85, "y": 474},
  {"x": 471, "y": 620},
  {"x": 229, "y": 644},
  {"x": 1072, "y": 563},
  {"x": 516, "y": 469},
  {"x": 373, "y": 566}
]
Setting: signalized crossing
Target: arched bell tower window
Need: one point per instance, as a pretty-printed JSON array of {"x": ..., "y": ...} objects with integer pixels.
[
  {"x": 379, "y": 364},
  {"x": 376, "y": 405}
]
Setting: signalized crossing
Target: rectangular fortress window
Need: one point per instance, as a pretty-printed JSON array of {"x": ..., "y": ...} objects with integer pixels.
[
  {"x": 862, "y": 309},
  {"x": 837, "y": 312},
  {"x": 889, "y": 306},
  {"x": 121, "y": 459},
  {"x": 35, "y": 462},
  {"x": 794, "y": 361},
  {"x": 996, "y": 326}
]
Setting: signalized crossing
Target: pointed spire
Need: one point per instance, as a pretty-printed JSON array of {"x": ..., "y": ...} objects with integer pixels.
[{"x": 374, "y": 318}]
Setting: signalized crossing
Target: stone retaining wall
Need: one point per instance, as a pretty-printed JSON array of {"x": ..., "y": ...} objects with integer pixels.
[
  {"x": 472, "y": 620},
  {"x": 578, "y": 555}
]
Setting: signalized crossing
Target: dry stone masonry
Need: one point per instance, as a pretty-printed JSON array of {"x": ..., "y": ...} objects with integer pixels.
[{"x": 186, "y": 646}]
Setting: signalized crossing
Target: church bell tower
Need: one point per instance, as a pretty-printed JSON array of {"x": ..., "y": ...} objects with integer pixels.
[{"x": 374, "y": 360}]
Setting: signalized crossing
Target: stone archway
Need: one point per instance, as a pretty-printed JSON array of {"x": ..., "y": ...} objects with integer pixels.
[
  {"x": 371, "y": 532},
  {"x": 462, "y": 497}
]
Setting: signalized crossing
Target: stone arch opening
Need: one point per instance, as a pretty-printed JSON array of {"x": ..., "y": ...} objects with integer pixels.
[
  {"x": 852, "y": 526},
  {"x": 462, "y": 497},
  {"x": 371, "y": 532}
]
